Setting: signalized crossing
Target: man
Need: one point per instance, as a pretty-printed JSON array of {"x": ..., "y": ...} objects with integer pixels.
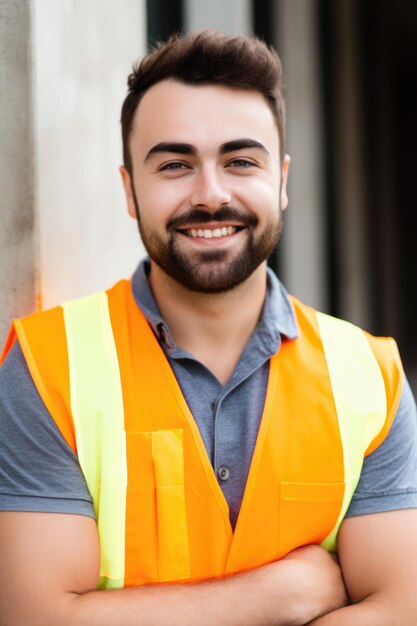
[{"x": 195, "y": 425}]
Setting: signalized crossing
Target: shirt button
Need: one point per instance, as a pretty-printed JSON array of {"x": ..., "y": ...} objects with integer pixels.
[
  {"x": 223, "y": 473},
  {"x": 162, "y": 333}
]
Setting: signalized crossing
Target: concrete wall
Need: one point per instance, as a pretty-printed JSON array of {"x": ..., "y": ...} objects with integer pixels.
[
  {"x": 18, "y": 275},
  {"x": 64, "y": 227}
]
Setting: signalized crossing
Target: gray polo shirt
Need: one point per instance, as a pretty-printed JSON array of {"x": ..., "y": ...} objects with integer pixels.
[{"x": 38, "y": 471}]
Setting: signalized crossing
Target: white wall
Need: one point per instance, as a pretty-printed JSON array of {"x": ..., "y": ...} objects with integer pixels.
[{"x": 82, "y": 54}]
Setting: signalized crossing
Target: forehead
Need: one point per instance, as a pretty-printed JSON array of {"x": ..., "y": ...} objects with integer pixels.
[{"x": 203, "y": 115}]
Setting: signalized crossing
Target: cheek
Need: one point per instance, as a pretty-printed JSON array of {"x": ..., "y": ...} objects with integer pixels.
[
  {"x": 162, "y": 199},
  {"x": 261, "y": 197}
]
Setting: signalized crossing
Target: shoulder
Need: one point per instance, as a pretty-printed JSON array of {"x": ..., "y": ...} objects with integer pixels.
[
  {"x": 389, "y": 475},
  {"x": 345, "y": 335},
  {"x": 370, "y": 365},
  {"x": 43, "y": 335},
  {"x": 39, "y": 472}
]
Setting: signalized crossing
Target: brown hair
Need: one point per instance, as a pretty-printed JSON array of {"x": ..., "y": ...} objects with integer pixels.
[{"x": 207, "y": 58}]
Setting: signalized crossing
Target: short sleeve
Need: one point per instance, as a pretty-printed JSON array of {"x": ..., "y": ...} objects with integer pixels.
[
  {"x": 389, "y": 475},
  {"x": 38, "y": 470}
]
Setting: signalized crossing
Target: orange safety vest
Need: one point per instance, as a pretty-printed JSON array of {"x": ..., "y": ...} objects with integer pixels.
[{"x": 161, "y": 515}]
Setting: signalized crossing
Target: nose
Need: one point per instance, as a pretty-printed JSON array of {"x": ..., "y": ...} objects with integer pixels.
[{"x": 210, "y": 190}]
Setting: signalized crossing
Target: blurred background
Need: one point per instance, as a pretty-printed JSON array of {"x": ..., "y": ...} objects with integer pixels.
[{"x": 349, "y": 245}]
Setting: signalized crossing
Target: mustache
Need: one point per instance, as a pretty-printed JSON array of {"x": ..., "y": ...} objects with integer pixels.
[{"x": 199, "y": 216}]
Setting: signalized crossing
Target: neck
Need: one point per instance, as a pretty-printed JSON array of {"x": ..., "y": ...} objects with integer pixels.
[{"x": 214, "y": 328}]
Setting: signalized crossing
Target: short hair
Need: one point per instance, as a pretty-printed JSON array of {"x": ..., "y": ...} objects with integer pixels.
[{"x": 207, "y": 58}]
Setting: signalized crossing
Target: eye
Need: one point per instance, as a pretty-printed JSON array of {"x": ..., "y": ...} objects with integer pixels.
[
  {"x": 241, "y": 163},
  {"x": 173, "y": 166}
]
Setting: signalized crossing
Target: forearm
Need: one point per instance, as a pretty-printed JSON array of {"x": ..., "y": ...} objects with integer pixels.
[
  {"x": 233, "y": 602},
  {"x": 249, "y": 599},
  {"x": 375, "y": 610}
]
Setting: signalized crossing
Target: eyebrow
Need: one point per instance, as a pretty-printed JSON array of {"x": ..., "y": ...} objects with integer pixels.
[
  {"x": 241, "y": 144},
  {"x": 190, "y": 150},
  {"x": 166, "y": 146}
]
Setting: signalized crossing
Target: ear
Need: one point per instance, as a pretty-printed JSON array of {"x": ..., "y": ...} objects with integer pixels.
[
  {"x": 284, "y": 179},
  {"x": 128, "y": 187}
]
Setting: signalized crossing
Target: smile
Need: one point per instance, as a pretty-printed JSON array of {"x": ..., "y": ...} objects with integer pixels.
[{"x": 207, "y": 233}]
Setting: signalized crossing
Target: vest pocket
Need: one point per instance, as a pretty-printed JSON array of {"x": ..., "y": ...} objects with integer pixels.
[
  {"x": 157, "y": 548},
  {"x": 308, "y": 512}
]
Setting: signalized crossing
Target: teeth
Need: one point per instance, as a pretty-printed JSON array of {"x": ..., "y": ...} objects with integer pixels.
[{"x": 209, "y": 234}]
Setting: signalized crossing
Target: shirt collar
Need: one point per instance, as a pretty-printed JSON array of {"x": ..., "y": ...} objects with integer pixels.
[{"x": 277, "y": 320}]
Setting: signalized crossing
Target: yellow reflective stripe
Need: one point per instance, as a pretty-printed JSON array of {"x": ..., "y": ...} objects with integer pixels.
[
  {"x": 98, "y": 414},
  {"x": 359, "y": 396},
  {"x": 168, "y": 459}
]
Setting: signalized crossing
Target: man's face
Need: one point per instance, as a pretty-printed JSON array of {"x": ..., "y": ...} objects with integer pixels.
[{"x": 207, "y": 182}]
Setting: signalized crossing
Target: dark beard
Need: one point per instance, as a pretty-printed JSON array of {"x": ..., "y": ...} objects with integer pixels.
[{"x": 211, "y": 271}]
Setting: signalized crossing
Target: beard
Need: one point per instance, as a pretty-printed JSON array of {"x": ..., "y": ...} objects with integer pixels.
[{"x": 211, "y": 271}]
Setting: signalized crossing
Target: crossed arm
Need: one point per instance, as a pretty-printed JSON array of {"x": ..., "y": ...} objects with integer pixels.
[{"x": 49, "y": 569}]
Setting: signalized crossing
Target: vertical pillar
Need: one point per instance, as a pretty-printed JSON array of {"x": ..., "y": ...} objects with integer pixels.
[
  {"x": 350, "y": 184},
  {"x": 18, "y": 266},
  {"x": 233, "y": 16},
  {"x": 63, "y": 70},
  {"x": 303, "y": 241}
]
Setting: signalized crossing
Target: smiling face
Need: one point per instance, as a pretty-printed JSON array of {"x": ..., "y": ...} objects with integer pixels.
[{"x": 208, "y": 182}]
